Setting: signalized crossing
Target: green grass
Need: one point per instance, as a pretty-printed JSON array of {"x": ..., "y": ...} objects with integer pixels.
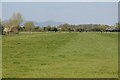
[
  {"x": 60, "y": 55},
  {"x": 0, "y": 56}
]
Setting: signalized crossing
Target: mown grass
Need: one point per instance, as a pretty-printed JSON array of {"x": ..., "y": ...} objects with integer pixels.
[{"x": 60, "y": 55}]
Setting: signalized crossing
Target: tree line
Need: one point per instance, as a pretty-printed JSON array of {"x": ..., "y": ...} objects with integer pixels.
[{"x": 13, "y": 26}]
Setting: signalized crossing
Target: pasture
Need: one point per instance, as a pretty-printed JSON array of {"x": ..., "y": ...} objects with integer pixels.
[{"x": 60, "y": 55}]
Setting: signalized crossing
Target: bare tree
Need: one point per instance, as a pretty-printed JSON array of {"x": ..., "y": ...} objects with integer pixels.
[
  {"x": 13, "y": 24},
  {"x": 29, "y": 26}
]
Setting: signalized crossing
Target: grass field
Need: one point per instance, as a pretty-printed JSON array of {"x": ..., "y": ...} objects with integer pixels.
[
  {"x": 0, "y": 56},
  {"x": 60, "y": 55}
]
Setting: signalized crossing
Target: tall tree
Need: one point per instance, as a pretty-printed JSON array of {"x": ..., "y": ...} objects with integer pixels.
[
  {"x": 15, "y": 20},
  {"x": 37, "y": 29},
  {"x": 102, "y": 28},
  {"x": 65, "y": 27},
  {"x": 29, "y": 26},
  {"x": 54, "y": 29},
  {"x": 48, "y": 28},
  {"x": 13, "y": 24},
  {"x": 1, "y": 27},
  {"x": 117, "y": 25}
]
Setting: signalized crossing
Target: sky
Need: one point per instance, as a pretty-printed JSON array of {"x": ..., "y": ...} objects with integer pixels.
[
  {"x": 69, "y": 12},
  {"x": 59, "y": 0},
  {"x": 0, "y": 10}
]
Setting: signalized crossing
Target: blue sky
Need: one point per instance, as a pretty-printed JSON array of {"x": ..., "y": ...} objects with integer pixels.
[
  {"x": 59, "y": 0},
  {"x": 74, "y": 13},
  {"x": 0, "y": 10}
]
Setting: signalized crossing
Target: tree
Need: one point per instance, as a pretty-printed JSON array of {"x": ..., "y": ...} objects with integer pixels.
[
  {"x": 117, "y": 25},
  {"x": 77, "y": 29},
  {"x": 37, "y": 29},
  {"x": 44, "y": 28},
  {"x": 1, "y": 28},
  {"x": 102, "y": 28},
  {"x": 69, "y": 29},
  {"x": 29, "y": 26},
  {"x": 0, "y": 21},
  {"x": 16, "y": 18},
  {"x": 65, "y": 27},
  {"x": 21, "y": 28},
  {"x": 54, "y": 29},
  {"x": 14, "y": 22},
  {"x": 81, "y": 29},
  {"x": 6, "y": 27},
  {"x": 48, "y": 28}
]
